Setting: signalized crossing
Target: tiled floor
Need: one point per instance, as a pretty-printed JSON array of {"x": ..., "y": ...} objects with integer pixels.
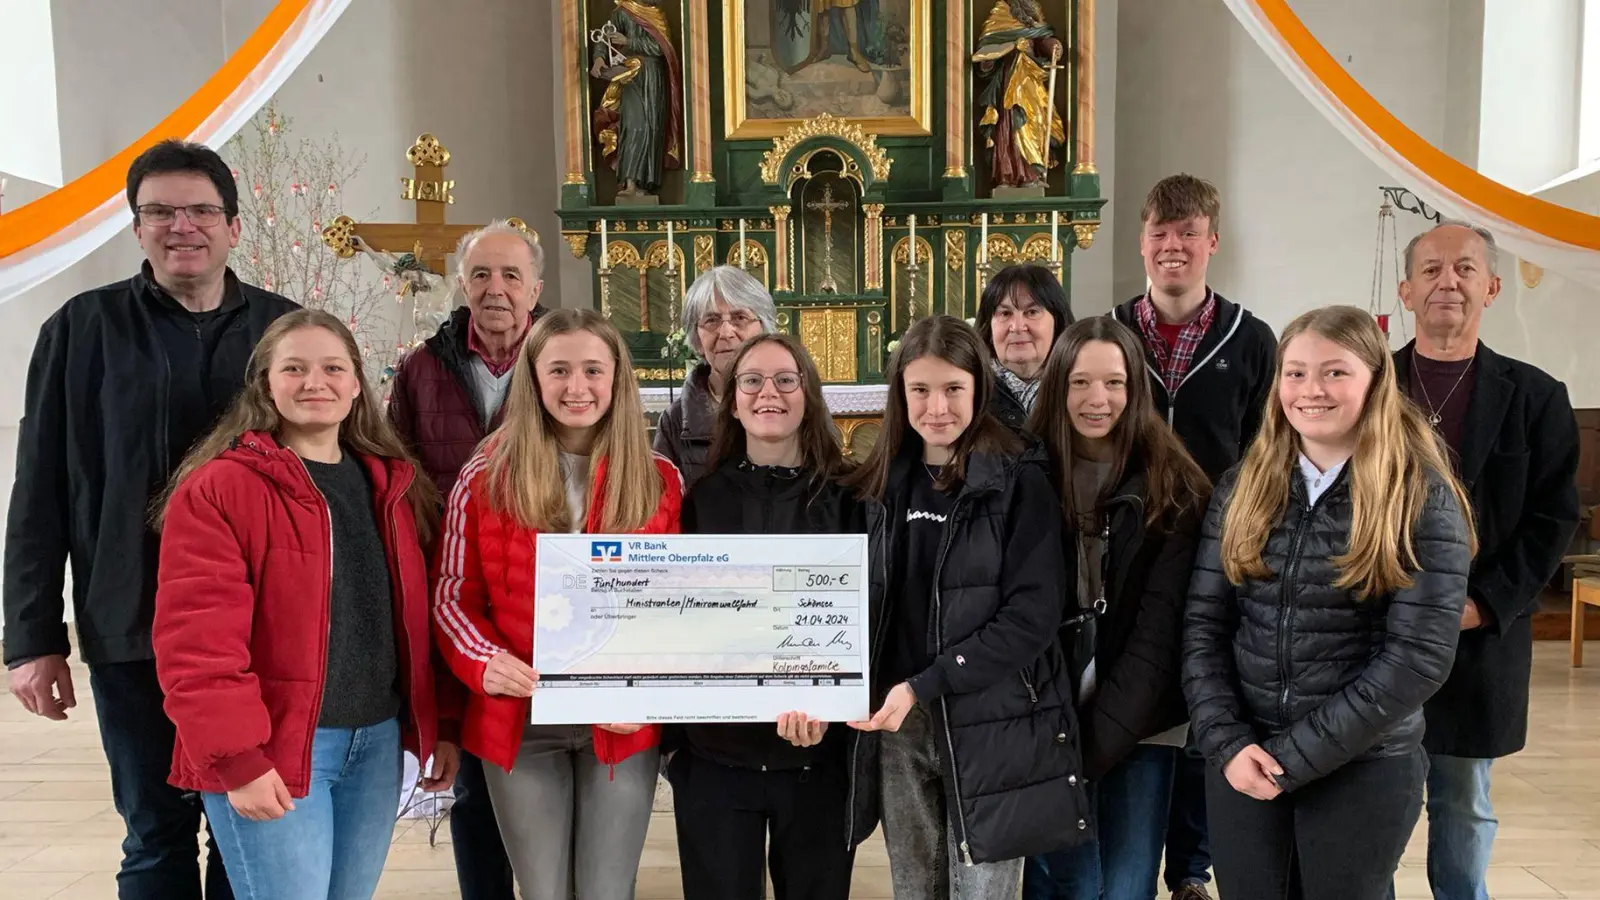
[{"x": 59, "y": 834}]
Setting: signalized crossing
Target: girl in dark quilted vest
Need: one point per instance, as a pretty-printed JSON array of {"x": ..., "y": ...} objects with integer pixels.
[
  {"x": 972, "y": 756},
  {"x": 1324, "y": 610},
  {"x": 775, "y": 468},
  {"x": 1132, "y": 499},
  {"x": 291, "y": 625},
  {"x": 573, "y": 801}
]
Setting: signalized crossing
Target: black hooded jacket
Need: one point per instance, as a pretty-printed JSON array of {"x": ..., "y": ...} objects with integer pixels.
[{"x": 1003, "y": 708}]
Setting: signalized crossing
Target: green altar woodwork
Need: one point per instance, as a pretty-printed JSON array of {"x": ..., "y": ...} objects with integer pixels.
[{"x": 806, "y": 140}]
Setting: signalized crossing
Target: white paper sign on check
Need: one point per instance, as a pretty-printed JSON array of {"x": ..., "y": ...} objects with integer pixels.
[{"x": 699, "y": 628}]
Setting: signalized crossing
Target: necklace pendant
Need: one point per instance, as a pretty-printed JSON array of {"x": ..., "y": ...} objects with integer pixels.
[{"x": 1434, "y": 419}]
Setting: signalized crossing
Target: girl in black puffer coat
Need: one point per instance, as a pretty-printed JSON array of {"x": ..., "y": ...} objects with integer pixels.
[
  {"x": 972, "y": 758},
  {"x": 1324, "y": 610},
  {"x": 1133, "y": 500},
  {"x": 774, "y": 468}
]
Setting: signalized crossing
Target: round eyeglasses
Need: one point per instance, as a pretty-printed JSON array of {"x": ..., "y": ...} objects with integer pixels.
[{"x": 751, "y": 382}]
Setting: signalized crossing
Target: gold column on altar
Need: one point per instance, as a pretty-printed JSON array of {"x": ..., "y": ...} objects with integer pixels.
[
  {"x": 1085, "y": 42},
  {"x": 955, "y": 92},
  {"x": 700, "y": 106},
  {"x": 874, "y": 254},
  {"x": 570, "y": 69},
  {"x": 780, "y": 243}
]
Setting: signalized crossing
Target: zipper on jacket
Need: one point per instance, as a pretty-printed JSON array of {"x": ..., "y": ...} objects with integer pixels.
[
  {"x": 1028, "y": 683},
  {"x": 1172, "y": 395},
  {"x": 938, "y": 629},
  {"x": 1286, "y": 608},
  {"x": 327, "y": 624},
  {"x": 405, "y": 628}
]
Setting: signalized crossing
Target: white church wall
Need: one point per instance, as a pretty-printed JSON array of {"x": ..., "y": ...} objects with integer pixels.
[
  {"x": 1552, "y": 324},
  {"x": 1531, "y": 55},
  {"x": 1092, "y": 270},
  {"x": 1299, "y": 203}
]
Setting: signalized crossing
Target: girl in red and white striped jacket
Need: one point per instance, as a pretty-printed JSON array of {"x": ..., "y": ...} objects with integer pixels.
[{"x": 573, "y": 455}]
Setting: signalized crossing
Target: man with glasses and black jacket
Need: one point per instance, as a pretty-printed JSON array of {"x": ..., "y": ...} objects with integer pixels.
[{"x": 124, "y": 378}]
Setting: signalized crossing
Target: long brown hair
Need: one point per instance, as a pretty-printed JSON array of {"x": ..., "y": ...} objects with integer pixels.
[
  {"x": 365, "y": 430},
  {"x": 1396, "y": 450},
  {"x": 524, "y": 468},
  {"x": 1174, "y": 483},
  {"x": 821, "y": 449},
  {"x": 955, "y": 342}
]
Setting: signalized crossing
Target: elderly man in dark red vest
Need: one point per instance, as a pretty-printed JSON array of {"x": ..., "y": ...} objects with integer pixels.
[{"x": 446, "y": 397}]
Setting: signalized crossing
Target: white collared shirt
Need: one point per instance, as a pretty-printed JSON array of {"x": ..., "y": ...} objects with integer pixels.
[{"x": 1318, "y": 481}]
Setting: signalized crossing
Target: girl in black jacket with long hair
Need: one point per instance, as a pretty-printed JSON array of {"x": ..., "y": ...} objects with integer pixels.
[
  {"x": 1133, "y": 499},
  {"x": 1324, "y": 610},
  {"x": 773, "y": 468},
  {"x": 972, "y": 756}
]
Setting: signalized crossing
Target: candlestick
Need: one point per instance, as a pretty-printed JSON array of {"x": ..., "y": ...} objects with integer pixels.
[
  {"x": 669, "y": 243},
  {"x": 983, "y": 242},
  {"x": 741, "y": 244},
  {"x": 913, "y": 220},
  {"x": 1054, "y": 236},
  {"x": 604, "y": 256}
]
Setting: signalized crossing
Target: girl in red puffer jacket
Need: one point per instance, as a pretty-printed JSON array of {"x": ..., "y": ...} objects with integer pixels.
[
  {"x": 291, "y": 625},
  {"x": 572, "y": 455}
]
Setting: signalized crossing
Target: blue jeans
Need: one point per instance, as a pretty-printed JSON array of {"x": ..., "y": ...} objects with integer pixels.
[
  {"x": 1122, "y": 862},
  {"x": 1461, "y": 827},
  {"x": 159, "y": 858},
  {"x": 335, "y": 841}
]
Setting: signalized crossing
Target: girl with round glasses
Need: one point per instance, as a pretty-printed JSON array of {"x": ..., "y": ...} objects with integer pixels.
[{"x": 753, "y": 797}]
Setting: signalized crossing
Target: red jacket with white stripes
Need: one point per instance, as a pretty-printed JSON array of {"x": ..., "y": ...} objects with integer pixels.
[
  {"x": 241, "y": 622},
  {"x": 483, "y": 604}
]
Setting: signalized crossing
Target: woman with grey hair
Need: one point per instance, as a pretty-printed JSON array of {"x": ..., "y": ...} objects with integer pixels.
[{"x": 722, "y": 309}]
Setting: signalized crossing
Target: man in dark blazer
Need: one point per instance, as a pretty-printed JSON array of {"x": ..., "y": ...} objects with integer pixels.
[{"x": 1514, "y": 441}]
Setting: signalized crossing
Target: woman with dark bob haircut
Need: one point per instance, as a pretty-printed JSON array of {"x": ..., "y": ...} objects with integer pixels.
[{"x": 1021, "y": 315}]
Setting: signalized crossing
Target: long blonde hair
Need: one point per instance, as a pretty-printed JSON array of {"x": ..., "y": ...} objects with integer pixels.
[
  {"x": 1396, "y": 450},
  {"x": 365, "y": 430},
  {"x": 524, "y": 468}
]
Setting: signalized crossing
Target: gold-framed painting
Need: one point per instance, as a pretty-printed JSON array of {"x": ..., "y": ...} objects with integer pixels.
[{"x": 786, "y": 61}]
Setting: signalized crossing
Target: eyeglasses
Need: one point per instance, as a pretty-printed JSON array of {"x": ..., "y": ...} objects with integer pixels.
[
  {"x": 200, "y": 215},
  {"x": 751, "y": 382},
  {"x": 714, "y": 322}
]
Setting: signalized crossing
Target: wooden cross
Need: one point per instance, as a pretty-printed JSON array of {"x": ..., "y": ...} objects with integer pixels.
[{"x": 430, "y": 239}]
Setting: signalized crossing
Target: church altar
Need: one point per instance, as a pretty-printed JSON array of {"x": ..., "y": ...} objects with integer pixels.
[{"x": 869, "y": 163}]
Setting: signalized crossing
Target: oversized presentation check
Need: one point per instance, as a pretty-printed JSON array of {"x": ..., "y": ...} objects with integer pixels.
[{"x": 699, "y": 628}]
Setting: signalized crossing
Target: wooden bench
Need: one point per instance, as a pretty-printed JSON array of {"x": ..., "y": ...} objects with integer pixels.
[{"x": 1585, "y": 591}]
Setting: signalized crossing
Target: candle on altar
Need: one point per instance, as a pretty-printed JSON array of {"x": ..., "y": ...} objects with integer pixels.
[
  {"x": 603, "y": 244},
  {"x": 983, "y": 241},
  {"x": 741, "y": 244},
  {"x": 1055, "y": 255},
  {"x": 670, "y": 255},
  {"x": 913, "y": 239}
]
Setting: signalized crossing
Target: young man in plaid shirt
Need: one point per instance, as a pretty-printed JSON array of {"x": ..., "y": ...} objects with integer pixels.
[{"x": 1212, "y": 365}]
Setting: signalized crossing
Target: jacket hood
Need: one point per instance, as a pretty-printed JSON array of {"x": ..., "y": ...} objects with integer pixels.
[{"x": 263, "y": 454}]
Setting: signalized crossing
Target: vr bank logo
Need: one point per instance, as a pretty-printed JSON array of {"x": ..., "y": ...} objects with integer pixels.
[{"x": 605, "y": 551}]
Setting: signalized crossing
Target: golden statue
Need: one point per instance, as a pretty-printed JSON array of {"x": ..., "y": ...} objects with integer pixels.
[{"x": 1019, "y": 55}]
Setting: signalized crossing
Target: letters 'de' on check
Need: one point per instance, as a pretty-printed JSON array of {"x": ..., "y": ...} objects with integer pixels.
[{"x": 699, "y": 628}]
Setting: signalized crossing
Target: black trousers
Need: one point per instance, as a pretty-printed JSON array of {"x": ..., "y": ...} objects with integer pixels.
[
  {"x": 161, "y": 852},
  {"x": 725, "y": 816},
  {"x": 1337, "y": 838},
  {"x": 482, "y": 869}
]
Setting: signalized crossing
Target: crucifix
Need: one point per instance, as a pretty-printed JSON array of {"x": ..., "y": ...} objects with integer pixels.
[
  {"x": 427, "y": 241},
  {"x": 827, "y": 205}
]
